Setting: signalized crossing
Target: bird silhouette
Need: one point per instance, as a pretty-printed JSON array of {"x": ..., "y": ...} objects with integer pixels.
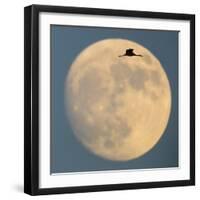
[{"x": 129, "y": 52}]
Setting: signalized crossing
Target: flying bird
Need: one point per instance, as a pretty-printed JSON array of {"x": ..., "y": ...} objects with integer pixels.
[{"x": 129, "y": 52}]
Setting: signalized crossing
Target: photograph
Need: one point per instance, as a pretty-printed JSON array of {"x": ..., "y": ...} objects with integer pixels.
[{"x": 114, "y": 99}]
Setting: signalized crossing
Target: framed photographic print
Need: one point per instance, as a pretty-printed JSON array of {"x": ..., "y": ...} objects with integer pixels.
[{"x": 109, "y": 100}]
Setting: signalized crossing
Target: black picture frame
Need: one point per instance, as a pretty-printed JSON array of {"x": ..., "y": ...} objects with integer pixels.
[{"x": 31, "y": 98}]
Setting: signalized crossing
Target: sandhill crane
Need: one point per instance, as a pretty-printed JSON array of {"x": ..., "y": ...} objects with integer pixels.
[{"x": 129, "y": 52}]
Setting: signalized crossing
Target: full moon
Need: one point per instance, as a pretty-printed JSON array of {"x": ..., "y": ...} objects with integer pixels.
[{"x": 118, "y": 107}]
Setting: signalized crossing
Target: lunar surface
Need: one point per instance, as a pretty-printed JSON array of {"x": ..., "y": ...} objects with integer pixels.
[{"x": 118, "y": 107}]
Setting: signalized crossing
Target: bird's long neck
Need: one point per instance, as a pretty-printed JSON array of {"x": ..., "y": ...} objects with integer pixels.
[{"x": 139, "y": 55}]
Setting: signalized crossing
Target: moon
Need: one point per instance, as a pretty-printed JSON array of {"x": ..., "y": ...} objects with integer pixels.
[{"x": 118, "y": 107}]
